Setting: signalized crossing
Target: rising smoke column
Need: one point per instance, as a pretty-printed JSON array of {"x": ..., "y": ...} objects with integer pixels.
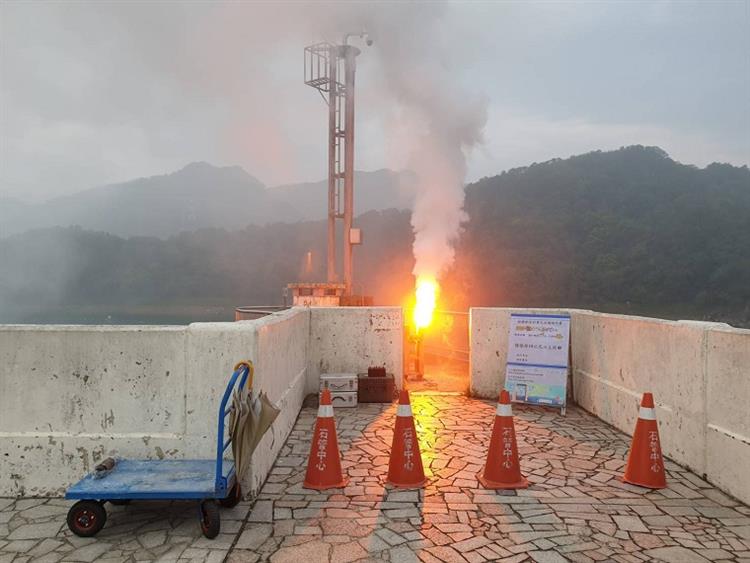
[
  {"x": 441, "y": 121},
  {"x": 439, "y": 161}
]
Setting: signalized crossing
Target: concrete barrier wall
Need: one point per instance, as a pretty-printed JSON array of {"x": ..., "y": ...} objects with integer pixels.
[
  {"x": 616, "y": 358},
  {"x": 699, "y": 374},
  {"x": 728, "y": 410},
  {"x": 282, "y": 348},
  {"x": 351, "y": 339},
  {"x": 72, "y": 395}
]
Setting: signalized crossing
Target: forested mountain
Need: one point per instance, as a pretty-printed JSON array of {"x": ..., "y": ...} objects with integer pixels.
[
  {"x": 49, "y": 273},
  {"x": 195, "y": 197},
  {"x": 374, "y": 191},
  {"x": 630, "y": 228},
  {"x": 198, "y": 196},
  {"x": 628, "y": 231}
]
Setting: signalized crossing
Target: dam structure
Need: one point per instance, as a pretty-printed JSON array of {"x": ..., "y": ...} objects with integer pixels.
[{"x": 71, "y": 396}]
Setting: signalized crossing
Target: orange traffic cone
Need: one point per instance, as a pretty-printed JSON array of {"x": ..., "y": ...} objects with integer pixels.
[
  {"x": 502, "y": 470},
  {"x": 405, "y": 468},
  {"x": 324, "y": 465},
  {"x": 645, "y": 464}
]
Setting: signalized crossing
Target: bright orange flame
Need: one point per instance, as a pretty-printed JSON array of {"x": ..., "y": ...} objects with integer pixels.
[{"x": 426, "y": 292}]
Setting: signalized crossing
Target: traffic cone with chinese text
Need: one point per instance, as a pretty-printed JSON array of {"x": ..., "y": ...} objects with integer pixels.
[
  {"x": 405, "y": 468},
  {"x": 324, "y": 465},
  {"x": 502, "y": 470},
  {"x": 645, "y": 465}
]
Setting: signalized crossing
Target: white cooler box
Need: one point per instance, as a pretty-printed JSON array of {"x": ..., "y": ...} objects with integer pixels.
[{"x": 343, "y": 388}]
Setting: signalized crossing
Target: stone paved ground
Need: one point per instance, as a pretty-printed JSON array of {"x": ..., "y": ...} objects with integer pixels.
[
  {"x": 443, "y": 375},
  {"x": 575, "y": 510},
  {"x": 35, "y": 530}
]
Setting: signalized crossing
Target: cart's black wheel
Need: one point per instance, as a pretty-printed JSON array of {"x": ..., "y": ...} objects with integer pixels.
[
  {"x": 86, "y": 518},
  {"x": 210, "y": 519},
  {"x": 119, "y": 501},
  {"x": 233, "y": 497}
]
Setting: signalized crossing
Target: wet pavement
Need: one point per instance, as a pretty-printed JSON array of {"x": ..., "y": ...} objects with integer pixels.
[
  {"x": 576, "y": 508},
  {"x": 443, "y": 375}
]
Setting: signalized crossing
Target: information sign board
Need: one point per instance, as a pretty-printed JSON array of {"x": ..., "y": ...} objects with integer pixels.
[{"x": 537, "y": 368}]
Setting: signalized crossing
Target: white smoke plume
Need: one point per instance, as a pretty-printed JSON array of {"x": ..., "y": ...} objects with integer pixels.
[
  {"x": 441, "y": 122},
  {"x": 436, "y": 121},
  {"x": 449, "y": 130}
]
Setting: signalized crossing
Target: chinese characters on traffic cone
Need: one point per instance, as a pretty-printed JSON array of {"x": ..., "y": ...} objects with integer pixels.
[
  {"x": 502, "y": 470},
  {"x": 405, "y": 469},
  {"x": 324, "y": 465},
  {"x": 645, "y": 465}
]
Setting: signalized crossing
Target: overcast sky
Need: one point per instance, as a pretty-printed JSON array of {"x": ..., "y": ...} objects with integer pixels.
[{"x": 95, "y": 93}]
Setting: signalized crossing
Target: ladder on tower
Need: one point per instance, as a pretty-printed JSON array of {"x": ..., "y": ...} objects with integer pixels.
[{"x": 317, "y": 75}]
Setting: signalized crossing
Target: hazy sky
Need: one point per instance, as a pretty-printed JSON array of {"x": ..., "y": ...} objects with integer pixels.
[{"x": 95, "y": 93}]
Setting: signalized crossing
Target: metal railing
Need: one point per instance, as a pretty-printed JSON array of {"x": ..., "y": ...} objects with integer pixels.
[
  {"x": 250, "y": 313},
  {"x": 448, "y": 336}
]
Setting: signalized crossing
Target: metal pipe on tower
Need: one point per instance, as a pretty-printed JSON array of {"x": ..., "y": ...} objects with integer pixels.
[
  {"x": 332, "y": 147},
  {"x": 324, "y": 64},
  {"x": 350, "y": 66}
]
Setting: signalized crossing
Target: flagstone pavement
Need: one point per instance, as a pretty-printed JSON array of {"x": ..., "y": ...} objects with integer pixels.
[{"x": 576, "y": 509}]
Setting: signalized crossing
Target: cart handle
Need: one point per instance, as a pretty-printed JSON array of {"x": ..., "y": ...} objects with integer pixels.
[
  {"x": 250, "y": 374},
  {"x": 246, "y": 370}
]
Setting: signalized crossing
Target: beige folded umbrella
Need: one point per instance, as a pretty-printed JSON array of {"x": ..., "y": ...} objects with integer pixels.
[{"x": 251, "y": 416}]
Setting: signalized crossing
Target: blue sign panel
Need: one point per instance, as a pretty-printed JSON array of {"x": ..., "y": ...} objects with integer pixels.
[{"x": 537, "y": 368}]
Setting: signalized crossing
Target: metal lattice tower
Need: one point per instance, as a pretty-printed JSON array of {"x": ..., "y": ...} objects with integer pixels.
[{"x": 325, "y": 65}]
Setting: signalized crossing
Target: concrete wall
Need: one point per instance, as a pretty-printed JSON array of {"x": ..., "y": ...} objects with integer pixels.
[
  {"x": 351, "y": 339},
  {"x": 72, "y": 395},
  {"x": 616, "y": 358},
  {"x": 727, "y": 411},
  {"x": 699, "y": 374},
  {"x": 282, "y": 348}
]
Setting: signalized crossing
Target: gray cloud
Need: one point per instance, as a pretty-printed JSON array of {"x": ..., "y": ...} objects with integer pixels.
[{"x": 92, "y": 93}]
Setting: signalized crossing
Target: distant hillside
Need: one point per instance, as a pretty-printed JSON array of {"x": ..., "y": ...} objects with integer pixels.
[
  {"x": 631, "y": 230},
  {"x": 627, "y": 231},
  {"x": 196, "y": 197},
  {"x": 56, "y": 274},
  {"x": 13, "y": 212},
  {"x": 374, "y": 191}
]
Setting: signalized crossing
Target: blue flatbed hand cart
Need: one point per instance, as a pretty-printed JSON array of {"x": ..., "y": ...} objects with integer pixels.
[{"x": 205, "y": 480}]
